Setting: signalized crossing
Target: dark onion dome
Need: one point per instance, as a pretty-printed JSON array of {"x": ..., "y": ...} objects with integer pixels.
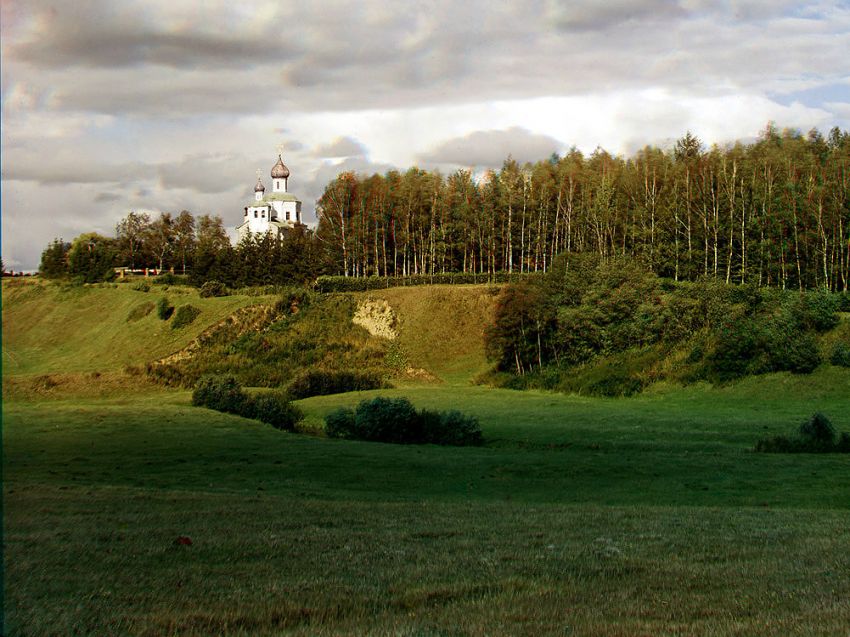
[
  {"x": 259, "y": 187},
  {"x": 279, "y": 171}
]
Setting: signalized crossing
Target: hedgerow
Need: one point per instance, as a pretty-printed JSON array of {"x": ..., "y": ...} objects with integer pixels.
[
  {"x": 814, "y": 435},
  {"x": 327, "y": 284},
  {"x": 396, "y": 420},
  {"x": 322, "y": 382},
  {"x": 224, "y": 393}
]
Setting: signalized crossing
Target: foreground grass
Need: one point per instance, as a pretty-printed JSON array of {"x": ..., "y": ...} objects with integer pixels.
[
  {"x": 580, "y": 516},
  {"x": 84, "y": 560}
]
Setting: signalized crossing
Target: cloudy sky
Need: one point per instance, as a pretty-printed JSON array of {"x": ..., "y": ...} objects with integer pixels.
[{"x": 116, "y": 105}]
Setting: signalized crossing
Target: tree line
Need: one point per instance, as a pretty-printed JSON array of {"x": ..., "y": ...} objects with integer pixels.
[
  {"x": 197, "y": 247},
  {"x": 775, "y": 212}
]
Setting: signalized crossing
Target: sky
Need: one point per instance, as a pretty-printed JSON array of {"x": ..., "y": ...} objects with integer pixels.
[{"x": 110, "y": 106}]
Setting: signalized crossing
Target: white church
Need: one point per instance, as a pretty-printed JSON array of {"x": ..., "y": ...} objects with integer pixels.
[{"x": 272, "y": 212}]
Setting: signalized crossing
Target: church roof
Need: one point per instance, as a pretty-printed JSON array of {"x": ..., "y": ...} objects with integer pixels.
[
  {"x": 279, "y": 170},
  {"x": 259, "y": 187},
  {"x": 281, "y": 196}
]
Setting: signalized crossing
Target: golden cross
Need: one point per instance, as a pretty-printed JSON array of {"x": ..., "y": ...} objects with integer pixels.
[
  {"x": 259, "y": 172},
  {"x": 280, "y": 149}
]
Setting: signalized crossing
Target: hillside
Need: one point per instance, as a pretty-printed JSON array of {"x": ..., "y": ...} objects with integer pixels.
[
  {"x": 51, "y": 328},
  {"x": 441, "y": 328},
  {"x": 55, "y": 329}
]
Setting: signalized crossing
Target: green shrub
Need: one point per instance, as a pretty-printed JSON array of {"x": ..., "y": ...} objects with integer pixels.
[
  {"x": 140, "y": 311},
  {"x": 184, "y": 315},
  {"x": 164, "y": 309},
  {"x": 293, "y": 300},
  {"x": 396, "y": 420},
  {"x": 796, "y": 352},
  {"x": 815, "y": 310},
  {"x": 388, "y": 420},
  {"x": 213, "y": 288},
  {"x": 171, "y": 279},
  {"x": 840, "y": 355},
  {"x": 450, "y": 428},
  {"x": 815, "y": 435},
  {"x": 321, "y": 382},
  {"x": 817, "y": 430},
  {"x": 275, "y": 410},
  {"x": 340, "y": 423},
  {"x": 843, "y": 302},
  {"x": 222, "y": 393},
  {"x": 141, "y": 286}
]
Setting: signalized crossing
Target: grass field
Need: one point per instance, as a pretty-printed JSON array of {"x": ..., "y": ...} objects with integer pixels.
[{"x": 579, "y": 516}]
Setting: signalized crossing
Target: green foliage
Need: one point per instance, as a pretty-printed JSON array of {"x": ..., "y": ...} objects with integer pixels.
[
  {"x": 213, "y": 288},
  {"x": 814, "y": 435},
  {"x": 818, "y": 430},
  {"x": 168, "y": 278},
  {"x": 840, "y": 355},
  {"x": 321, "y": 382},
  {"x": 327, "y": 284},
  {"x": 451, "y": 428},
  {"x": 221, "y": 393},
  {"x": 586, "y": 311},
  {"x": 91, "y": 258},
  {"x": 54, "y": 260},
  {"x": 293, "y": 299},
  {"x": 141, "y": 286},
  {"x": 340, "y": 423},
  {"x": 184, "y": 315},
  {"x": 224, "y": 393},
  {"x": 140, "y": 311},
  {"x": 164, "y": 309},
  {"x": 816, "y": 310},
  {"x": 275, "y": 409},
  {"x": 396, "y": 420}
]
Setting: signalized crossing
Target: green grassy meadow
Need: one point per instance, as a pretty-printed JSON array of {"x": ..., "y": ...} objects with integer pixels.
[{"x": 579, "y": 516}]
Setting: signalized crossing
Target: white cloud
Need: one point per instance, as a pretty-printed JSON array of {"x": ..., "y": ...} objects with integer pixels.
[{"x": 163, "y": 105}]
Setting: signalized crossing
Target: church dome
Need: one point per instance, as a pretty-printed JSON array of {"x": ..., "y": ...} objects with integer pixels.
[
  {"x": 259, "y": 187},
  {"x": 279, "y": 171}
]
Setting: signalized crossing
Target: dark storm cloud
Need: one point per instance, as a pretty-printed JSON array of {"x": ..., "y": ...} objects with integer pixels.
[{"x": 491, "y": 148}]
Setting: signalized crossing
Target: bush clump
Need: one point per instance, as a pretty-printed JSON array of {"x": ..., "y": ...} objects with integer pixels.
[
  {"x": 814, "y": 435},
  {"x": 276, "y": 410},
  {"x": 164, "y": 309},
  {"x": 840, "y": 355},
  {"x": 140, "y": 311},
  {"x": 292, "y": 300},
  {"x": 224, "y": 393},
  {"x": 141, "y": 286},
  {"x": 321, "y": 382},
  {"x": 184, "y": 315},
  {"x": 396, "y": 420},
  {"x": 213, "y": 288}
]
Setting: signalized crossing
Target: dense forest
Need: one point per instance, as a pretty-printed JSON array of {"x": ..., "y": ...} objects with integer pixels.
[{"x": 775, "y": 212}]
